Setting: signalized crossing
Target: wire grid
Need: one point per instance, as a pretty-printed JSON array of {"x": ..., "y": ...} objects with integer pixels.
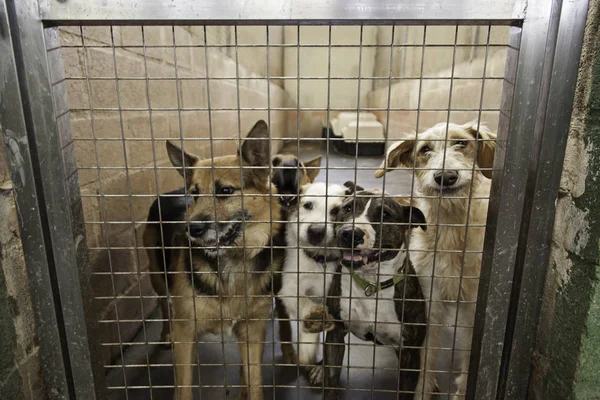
[{"x": 121, "y": 119}]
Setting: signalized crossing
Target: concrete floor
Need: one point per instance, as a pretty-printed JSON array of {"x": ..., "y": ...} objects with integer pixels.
[{"x": 281, "y": 382}]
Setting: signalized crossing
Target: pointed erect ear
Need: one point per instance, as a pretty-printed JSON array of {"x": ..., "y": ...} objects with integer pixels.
[
  {"x": 486, "y": 146},
  {"x": 417, "y": 218},
  {"x": 181, "y": 159},
  {"x": 399, "y": 154},
  {"x": 351, "y": 187},
  {"x": 312, "y": 168},
  {"x": 255, "y": 148}
]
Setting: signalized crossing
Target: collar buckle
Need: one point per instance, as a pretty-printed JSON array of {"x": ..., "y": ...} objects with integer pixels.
[{"x": 370, "y": 290}]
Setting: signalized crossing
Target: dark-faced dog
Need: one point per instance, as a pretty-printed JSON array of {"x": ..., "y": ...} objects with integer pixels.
[
  {"x": 290, "y": 174},
  {"x": 222, "y": 275},
  {"x": 375, "y": 295},
  {"x": 167, "y": 215}
]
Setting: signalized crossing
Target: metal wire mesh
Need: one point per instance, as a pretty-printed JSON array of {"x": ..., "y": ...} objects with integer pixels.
[{"x": 133, "y": 88}]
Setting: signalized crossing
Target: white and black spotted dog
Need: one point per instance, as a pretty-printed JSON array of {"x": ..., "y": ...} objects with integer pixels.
[
  {"x": 310, "y": 261},
  {"x": 375, "y": 295}
]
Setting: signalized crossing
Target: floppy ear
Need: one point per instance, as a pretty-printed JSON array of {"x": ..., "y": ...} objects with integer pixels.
[
  {"x": 255, "y": 148},
  {"x": 417, "y": 219},
  {"x": 486, "y": 146},
  {"x": 181, "y": 159},
  {"x": 399, "y": 153},
  {"x": 351, "y": 188},
  {"x": 312, "y": 168}
]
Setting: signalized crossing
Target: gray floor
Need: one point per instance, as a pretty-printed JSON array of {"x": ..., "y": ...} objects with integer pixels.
[{"x": 281, "y": 382}]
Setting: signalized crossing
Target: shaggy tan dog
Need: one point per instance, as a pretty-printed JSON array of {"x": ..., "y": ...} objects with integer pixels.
[{"x": 453, "y": 175}]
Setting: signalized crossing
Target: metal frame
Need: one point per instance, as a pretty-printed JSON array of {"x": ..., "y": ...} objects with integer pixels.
[{"x": 527, "y": 166}]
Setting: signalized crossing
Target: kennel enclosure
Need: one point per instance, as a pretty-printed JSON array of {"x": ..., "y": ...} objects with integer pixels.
[{"x": 544, "y": 44}]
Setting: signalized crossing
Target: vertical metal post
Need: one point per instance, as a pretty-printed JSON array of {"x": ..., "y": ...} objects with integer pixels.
[
  {"x": 525, "y": 142},
  {"x": 30, "y": 214},
  {"x": 551, "y": 133},
  {"x": 51, "y": 227}
]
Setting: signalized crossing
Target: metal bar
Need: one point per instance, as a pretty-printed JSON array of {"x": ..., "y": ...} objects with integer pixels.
[
  {"x": 286, "y": 11},
  {"x": 21, "y": 156},
  {"x": 552, "y": 138},
  {"x": 63, "y": 245},
  {"x": 512, "y": 165}
]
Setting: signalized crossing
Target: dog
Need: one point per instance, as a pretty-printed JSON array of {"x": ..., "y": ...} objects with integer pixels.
[
  {"x": 453, "y": 164},
  {"x": 375, "y": 294},
  {"x": 290, "y": 174},
  {"x": 167, "y": 215},
  {"x": 310, "y": 260},
  {"x": 222, "y": 277}
]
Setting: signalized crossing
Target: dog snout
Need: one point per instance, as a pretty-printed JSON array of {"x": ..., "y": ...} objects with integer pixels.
[
  {"x": 316, "y": 233},
  {"x": 446, "y": 178},
  {"x": 351, "y": 237},
  {"x": 198, "y": 228}
]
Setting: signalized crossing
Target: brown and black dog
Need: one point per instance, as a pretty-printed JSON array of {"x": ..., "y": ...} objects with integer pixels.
[
  {"x": 167, "y": 216},
  {"x": 230, "y": 255}
]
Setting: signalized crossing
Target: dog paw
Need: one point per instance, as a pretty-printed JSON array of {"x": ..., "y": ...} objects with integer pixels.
[
  {"x": 318, "y": 320},
  {"x": 315, "y": 374}
]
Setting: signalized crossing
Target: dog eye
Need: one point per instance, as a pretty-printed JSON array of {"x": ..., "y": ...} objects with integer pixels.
[
  {"x": 226, "y": 190},
  {"x": 462, "y": 143},
  {"x": 335, "y": 211},
  {"x": 425, "y": 149},
  {"x": 347, "y": 208},
  {"x": 308, "y": 205}
]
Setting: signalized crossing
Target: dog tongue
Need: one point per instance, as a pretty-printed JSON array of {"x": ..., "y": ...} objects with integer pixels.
[{"x": 354, "y": 257}]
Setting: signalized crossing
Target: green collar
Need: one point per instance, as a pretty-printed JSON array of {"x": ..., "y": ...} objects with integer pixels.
[{"x": 371, "y": 288}]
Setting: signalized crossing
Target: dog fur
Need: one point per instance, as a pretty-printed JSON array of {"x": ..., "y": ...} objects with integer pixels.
[
  {"x": 311, "y": 259},
  {"x": 371, "y": 229},
  {"x": 222, "y": 284},
  {"x": 448, "y": 173}
]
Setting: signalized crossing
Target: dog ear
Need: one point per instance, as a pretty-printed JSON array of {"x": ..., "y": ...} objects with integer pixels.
[
  {"x": 351, "y": 187},
  {"x": 181, "y": 159},
  {"x": 399, "y": 153},
  {"x": 417, "y": 218},
  {"x": 486, "y": 146},
  {"x": 255, "y": 148},
  {"x": 312, "y": 168}
]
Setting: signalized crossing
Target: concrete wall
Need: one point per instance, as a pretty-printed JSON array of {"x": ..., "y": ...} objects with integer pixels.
[
  {"x": 567, "y": 356},
  {"x": 311, "y": 60},
  {"x": 436, "y": 60},
  {"x": 405, "y": 66},
  {"x": 20, "y": 374},
  {"x": 130, "y": 165}
]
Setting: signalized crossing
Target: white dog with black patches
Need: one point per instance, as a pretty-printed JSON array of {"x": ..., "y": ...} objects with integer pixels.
[
  {"x": 311, "y": 259},
  {"x": 453, "y": 177}
]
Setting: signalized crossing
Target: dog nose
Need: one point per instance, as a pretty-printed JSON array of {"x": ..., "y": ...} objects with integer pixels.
[
  {"x": 316, "y": 233},
  {"x": 197, "y": 229},
  {"x": 351, "y": 237},
  {"x": 446, "y": 178}
]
